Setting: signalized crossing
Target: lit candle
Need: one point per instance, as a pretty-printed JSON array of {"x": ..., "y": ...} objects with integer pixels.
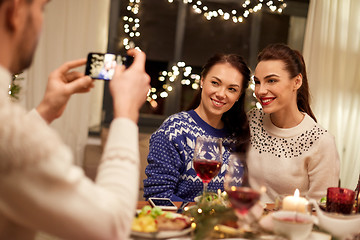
[{"x": 295, "y": 203}]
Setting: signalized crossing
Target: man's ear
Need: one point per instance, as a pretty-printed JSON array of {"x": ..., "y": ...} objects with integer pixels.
[
  {"x": 12, "y": 14},
  {"x": 298, "y": 81}
]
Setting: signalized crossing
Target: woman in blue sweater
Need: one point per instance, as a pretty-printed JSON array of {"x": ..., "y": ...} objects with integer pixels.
[{"x": 217, "y": 111}]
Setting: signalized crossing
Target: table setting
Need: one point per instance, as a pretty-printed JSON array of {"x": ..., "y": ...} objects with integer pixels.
[{"x": 238, "y": 213}]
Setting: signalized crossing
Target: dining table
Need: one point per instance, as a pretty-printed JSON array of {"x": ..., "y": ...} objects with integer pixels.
[
  {"x": 140, "y": 204},
  {"x": 268, "y": 208},
  {"x": 271, "y": 213}
]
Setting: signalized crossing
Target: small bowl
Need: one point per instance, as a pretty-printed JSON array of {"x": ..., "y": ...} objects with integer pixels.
[
  {"x": 293, "y": 225},
  {"x": 339, "y": 225}
]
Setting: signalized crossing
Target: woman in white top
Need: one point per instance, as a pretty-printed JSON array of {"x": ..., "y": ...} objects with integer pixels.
[{"x": 289, "y": 149}]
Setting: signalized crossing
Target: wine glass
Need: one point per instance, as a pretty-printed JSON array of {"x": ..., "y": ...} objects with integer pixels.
[
  {"x": 207, "y": 158},
  {"x": 241, "y": 196}
]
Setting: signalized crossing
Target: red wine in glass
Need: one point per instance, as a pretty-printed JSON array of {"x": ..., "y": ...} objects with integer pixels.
[
  {"x": 206, "y": 169},
  {"x": 242, "y": 198},
  {"x": 207, "y": 158}
]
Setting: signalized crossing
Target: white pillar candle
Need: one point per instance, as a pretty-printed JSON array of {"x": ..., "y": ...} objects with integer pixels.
[{"x": 295, "y": 203}]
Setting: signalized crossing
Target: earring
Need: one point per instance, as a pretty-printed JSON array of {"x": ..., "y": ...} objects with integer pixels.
[{"x": 200, "y": 86}]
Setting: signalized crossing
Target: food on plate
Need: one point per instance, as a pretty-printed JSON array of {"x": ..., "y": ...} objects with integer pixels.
[
  {"x": 172, "y": 221},
  {"x": 219, "y": 198},
  {"x": 154, "y": 219},
  {"x": 322, "y": 203},
  {"x": 144, "y": 224}
]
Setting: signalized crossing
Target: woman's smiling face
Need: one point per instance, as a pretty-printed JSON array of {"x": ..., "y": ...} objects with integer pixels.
[
  {"x": 221, "y": 88},
  {"x": 274, "y": 88}
]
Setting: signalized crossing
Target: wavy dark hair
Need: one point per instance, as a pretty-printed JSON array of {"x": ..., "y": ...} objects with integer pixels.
[
  {"x": 294, "y": 65},
  {"x": 235, "y": 119}
]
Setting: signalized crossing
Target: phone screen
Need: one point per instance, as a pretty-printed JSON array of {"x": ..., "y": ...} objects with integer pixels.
[
  {"x": 162, "y": 202},
  {"x": 101, "y": 65}
]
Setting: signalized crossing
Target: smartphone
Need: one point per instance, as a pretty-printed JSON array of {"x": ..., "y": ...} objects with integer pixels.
[
  {"x": 102, "y": 65},
  {"x": 163, "y": 203}
]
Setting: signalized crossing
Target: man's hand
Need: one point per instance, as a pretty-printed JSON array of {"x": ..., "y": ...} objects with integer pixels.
[
  {"x": 129, "y": 87},
  {"x": 62, "y": 83}
]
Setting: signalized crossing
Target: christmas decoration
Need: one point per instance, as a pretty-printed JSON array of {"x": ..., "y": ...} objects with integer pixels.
[{"x": 15, "y": 88}]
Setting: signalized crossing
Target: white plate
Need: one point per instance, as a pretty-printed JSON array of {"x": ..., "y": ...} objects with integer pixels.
[{"x": 161, "y": 234}]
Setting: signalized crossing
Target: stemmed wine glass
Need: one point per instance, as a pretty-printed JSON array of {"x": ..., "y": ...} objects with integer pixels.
[
  {"x": 207, "y": 158},
  {"x": 242, "y": 197}
]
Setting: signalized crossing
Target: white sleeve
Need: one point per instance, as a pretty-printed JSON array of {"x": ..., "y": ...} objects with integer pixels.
[
  {"x": 323, "y": 168},
  {"x": 35, "y": 115},
  {"x": 41, "y": 189}
]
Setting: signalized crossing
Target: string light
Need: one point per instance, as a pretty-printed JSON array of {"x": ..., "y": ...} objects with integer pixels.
[
  {"x": 237, "y": 16},
  {"x": 131, "y": 24},
  {"x": 178, "y": 70}
]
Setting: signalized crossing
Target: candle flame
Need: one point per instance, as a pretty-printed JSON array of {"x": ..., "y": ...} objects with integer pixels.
[{"x": 297, "y": 193}]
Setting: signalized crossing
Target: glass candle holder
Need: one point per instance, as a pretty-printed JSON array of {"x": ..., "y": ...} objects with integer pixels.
[{"x": 340, "y": 200}]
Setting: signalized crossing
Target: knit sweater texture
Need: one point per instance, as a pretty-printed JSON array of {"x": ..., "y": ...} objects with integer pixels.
[{"x": 170, "y": 171}]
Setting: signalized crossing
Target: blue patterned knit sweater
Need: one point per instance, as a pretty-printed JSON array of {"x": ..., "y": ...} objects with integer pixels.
[{"x": 170, "y": 171}]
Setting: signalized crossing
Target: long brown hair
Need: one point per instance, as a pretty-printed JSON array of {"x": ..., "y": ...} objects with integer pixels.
[
  {"x": 294, "y": 65},
  {"x": 235, "y": 119}
]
